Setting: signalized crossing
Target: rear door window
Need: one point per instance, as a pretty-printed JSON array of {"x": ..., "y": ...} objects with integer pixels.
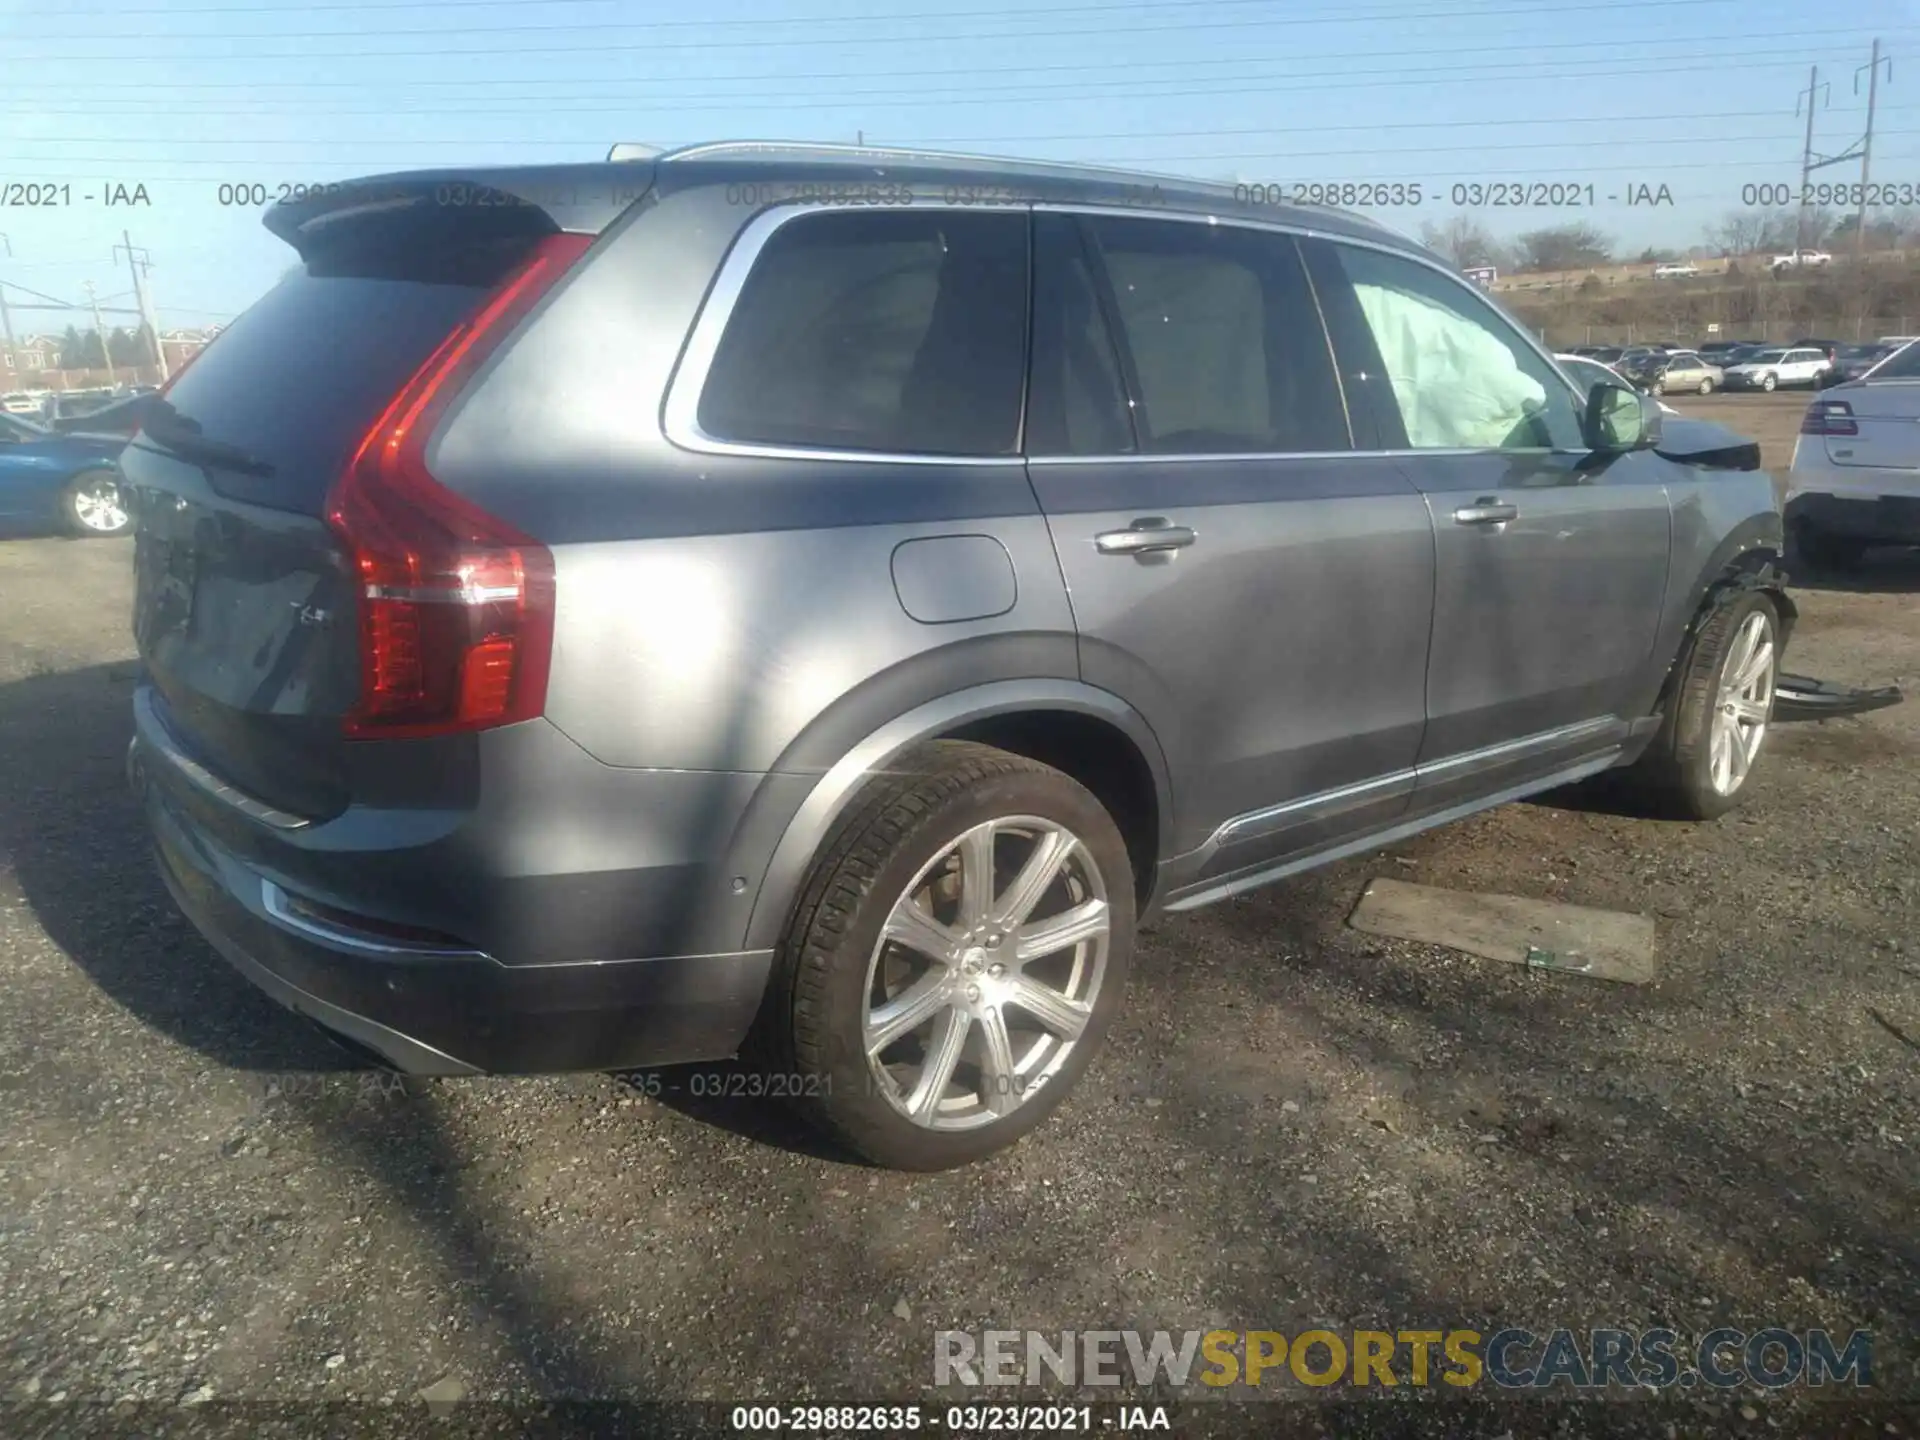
[
  {"x": 901, "y": 332},
  {"x": 1222, "y": 340}
]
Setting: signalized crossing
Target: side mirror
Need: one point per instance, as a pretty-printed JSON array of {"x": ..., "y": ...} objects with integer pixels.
[{"x": 1618, "y": 420}]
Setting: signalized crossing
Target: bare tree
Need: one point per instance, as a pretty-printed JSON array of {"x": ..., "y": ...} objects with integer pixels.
[
  {"x": 1464, "y": 241},
  {"x": 1563, "y": 247},
  {"x": 1739, "y": 232}
]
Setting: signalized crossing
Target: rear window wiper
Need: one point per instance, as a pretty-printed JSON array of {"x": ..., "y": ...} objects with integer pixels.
[{"x": 172, "y": 431}]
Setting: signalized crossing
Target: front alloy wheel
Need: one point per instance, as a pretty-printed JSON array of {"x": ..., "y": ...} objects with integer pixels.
[
  {"x": 1767, "y": 381},
  {"x": 1717, "y": 715},
  {"x": 1744, "y": 704}
]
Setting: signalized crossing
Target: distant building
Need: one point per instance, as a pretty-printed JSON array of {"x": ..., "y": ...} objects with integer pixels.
[
  {"x": 180, "y": 346},
  {"x": 31, "y": 354}
]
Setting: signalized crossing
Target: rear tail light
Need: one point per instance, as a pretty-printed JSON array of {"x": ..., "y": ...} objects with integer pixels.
[
  {"x": 1829, "y": 417},
  {"x": 455, "y": 606}
]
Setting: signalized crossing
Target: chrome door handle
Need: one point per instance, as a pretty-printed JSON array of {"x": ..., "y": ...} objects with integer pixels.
[
  {"x": 1146, "y": 536},
  {"x": 1486, "y": 512}
]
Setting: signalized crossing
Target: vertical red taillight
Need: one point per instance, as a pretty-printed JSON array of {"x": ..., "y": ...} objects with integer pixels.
[{"x": 455, "y": 606}]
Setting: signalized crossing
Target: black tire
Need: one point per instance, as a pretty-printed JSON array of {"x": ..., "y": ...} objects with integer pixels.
[
  {"x": 1706, "y": 385},
  {"x": 1674, "y": 774},
  {"x": 71, "y": 500},
  {"x": 1833, "y": 554},
  {"x": 812, "y": 1023},
  {"x": 1767, "y": 383}
]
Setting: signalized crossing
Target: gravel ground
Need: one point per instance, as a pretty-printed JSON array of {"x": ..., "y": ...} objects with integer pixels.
[{"x": 1293, "y": 1125}]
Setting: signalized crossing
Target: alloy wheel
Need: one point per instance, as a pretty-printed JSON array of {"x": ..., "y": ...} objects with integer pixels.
[
  {"x": 98, "y": 505},
  {"x": 1743, "y": 705},
  {"x": 986, "y": 973}
]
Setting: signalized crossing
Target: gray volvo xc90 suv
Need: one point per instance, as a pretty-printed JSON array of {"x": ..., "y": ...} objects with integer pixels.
[{"x": 814, "y": 602}]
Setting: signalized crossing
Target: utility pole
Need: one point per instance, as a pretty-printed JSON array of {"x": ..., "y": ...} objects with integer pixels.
[
  {"x": 1866, "y": 144},
  {"x": 138, "y": 262},
  {"x": 6, "y": 321},
  {"x": 1806, "y": 160},
  {"x": 106, "y": 351}
]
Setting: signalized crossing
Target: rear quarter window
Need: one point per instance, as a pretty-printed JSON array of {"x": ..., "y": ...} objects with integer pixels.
[{"x": 899, "y": 333}]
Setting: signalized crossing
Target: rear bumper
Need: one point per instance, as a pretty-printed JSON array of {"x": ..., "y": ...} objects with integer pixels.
[
  {"x": 1858, "y": 515},
  {"x": 448, "y": 1012}
]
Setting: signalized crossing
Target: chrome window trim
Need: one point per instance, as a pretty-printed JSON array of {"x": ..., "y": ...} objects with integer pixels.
[
  {"x": 680, "y": 413},
  {"x": 680, "y": 410}
]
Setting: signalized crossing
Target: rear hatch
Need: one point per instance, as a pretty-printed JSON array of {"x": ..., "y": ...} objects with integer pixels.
[
  {"x": 254, "y": 558},
  {"x": 1874, "y": 421}
]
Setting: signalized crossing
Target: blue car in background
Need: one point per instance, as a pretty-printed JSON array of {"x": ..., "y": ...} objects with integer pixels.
[{"x": 51, "y": 483}]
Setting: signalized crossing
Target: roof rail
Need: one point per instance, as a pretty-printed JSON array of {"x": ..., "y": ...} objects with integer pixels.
[
  {"x": 635, "y": 150},
  {"x": 714, "y": 148}
]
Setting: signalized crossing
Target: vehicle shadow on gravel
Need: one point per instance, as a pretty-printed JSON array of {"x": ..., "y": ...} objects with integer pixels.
[
  {"x": 1887, "y": 570},
  {"x": 73, "y": 835}
]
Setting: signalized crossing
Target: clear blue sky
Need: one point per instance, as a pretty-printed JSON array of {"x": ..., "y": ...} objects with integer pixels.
[{"x": 182, "y": 95}]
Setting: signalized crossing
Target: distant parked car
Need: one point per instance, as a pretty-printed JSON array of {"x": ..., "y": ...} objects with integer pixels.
[
  {"x": 1854, "y": 480},
  {"x": 1853, "y": 361},
  {"x": 116, "y": 417},
  {"x": 1587, "y": 372},
  {"x": 1801, "y": 260},
  {"x": 62, "y": 409},
  {"x": 1770, "y": 369},
  {"x": 1680, "y": 370},
  {"x": 50, "y": 482},
  {"x": 1604, "y": 354},
  {"x": 23, "y": 402},
  {"x": 1675, "y": 270},
  {"x": 1830, "y": 348}
]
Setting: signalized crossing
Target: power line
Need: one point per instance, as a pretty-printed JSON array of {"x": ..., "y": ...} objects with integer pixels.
[
  {"x": 1038, "y": 12},
  {"x": 581, "y": 26},
  {"x": 493, "y": 92},
  {"x": 597, "y": 47},
  {"x": 495, "y": 89},
  {"x": 980, "y": 95}
]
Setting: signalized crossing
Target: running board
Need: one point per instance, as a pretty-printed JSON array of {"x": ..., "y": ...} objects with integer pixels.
[{"x": 1798, "y": 697}]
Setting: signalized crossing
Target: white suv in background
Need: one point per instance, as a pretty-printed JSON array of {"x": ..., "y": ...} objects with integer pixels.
[
  {"x": 1855, "y": 476},
  {"x": 1771, "y": 369}
]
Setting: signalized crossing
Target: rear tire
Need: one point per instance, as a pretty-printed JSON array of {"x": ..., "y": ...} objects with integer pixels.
[
  {"x": 95, "y": 505},
  {"x": 1698, "y": 765},
  {"x": 971, "y": 1065}
]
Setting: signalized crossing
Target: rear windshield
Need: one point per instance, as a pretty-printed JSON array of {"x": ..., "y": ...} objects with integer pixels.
[{"x": 298, "y": 379}]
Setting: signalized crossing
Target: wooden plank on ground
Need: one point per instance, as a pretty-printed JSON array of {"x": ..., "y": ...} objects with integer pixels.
[{"x": 1573, "y": 939}]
